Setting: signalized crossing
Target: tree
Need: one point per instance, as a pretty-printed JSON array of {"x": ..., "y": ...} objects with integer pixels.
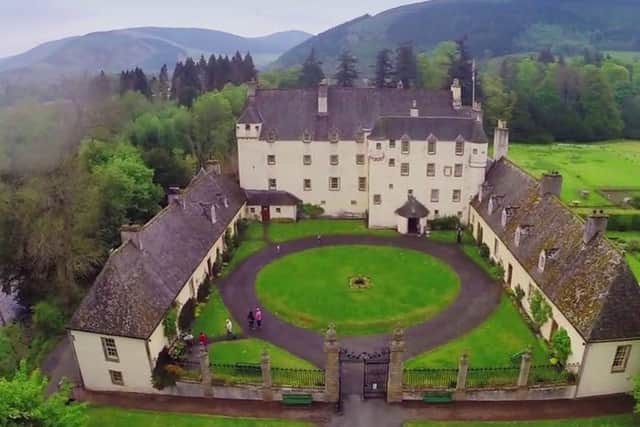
[
  {"x": 406, "y": 66},
  {"x": 499, "y": 101},
  {"x": 384, "y": 69},
  {"x": 163, "y": 84},
  {"x": 546, "y": 57},
  {"x": 212, "y": 126},
  {"x": 23, "y": 402},
  {"x": 561, "y": 345},
  {"x": 100, "y": 87},
  {"x": 433, "y": 73},
  {"x": 462, "y": 69},
  {"x": 311, "y": 74},
  {"x": 13, "y": 348},
  {"x": 346, "y": 73},
  {"x": 600, "y": 114},
  {"x": 280, "y": 79},
  {"x": 248, "y": 69}
]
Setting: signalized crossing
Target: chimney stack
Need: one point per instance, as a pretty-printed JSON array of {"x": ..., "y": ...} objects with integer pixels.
[
  {"x": 213, "y": 213},
  {"x": 596, "y": 225},
  {"x": 252, "y": 86},
  {"x": 131, "y": 232},
  {"x": 414, "y": 112},
  {"x": 323, "y": 98},
  {"x": 174, "y": 194},
  {"x": 456, "y": 92},
  {"x": 551, "y": 183},
  {"x": 500, "y": 140},
  {"x": 212, "y": 166}
]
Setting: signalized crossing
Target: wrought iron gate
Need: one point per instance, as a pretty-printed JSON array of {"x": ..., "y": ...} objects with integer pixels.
[{"x": 375, "y": 369}]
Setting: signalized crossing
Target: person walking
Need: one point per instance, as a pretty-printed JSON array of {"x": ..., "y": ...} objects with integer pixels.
[
  {"x": 251, "y": 318},
  {"x": 259, "y": 317},
  {"x": 229, "y": 327},
  {"x": 202, "y": 338}
]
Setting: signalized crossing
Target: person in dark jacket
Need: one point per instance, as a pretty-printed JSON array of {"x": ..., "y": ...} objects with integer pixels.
[{"x": 251, "y": 318}]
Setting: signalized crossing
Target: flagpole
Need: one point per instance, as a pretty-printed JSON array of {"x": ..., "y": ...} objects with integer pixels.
[{"x": 473, "y": 79}]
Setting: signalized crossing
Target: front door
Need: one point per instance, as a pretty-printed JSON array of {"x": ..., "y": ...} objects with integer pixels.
[
  {"x": 413, "y": 225},
  {"x": 266, "y": 216}
]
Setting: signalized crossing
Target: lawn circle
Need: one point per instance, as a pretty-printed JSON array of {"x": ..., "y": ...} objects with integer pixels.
[{"x": 396, "y": 286}]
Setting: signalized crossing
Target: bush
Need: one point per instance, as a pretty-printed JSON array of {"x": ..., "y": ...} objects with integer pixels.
[
  {"x": 540, "y": 310},
  {"x": 484, "y": 251},
  {"x": 178, "y": 350},
  {"x": 204, "y": 290},
  {"x": 227, "y": 255},
  {"x": 561, "y": 345},
  {"x": 13, "y": 348},
  {"x": 633, "y": 246},
  {"x": 312, "y": 211},
  {"x": 164, "y": 374},
  {"x": 229, "y": 241},
  {"x": 48, "y": 318},
  {"x": 187, "y": 315},
  {"x": 445, "y": 223},
  {"x": 518, "y": 293},
  {"x": 170, "y": 322},
  {"x": 216, "y": 269},
  {"x": 624, "y": 223}
]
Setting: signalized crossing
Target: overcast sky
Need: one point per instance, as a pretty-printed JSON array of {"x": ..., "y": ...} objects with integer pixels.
[{"x": 26, "y": 23}]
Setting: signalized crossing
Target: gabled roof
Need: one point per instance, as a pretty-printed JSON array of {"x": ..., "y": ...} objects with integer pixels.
[
  {"x": 271, "y": 198},
  {"x": 421, "y": 128},
  {"x": 290, "y": 113},
  {"x": 412, "y": 209},
  {"x": 141, "y": 280},
  {"x": 591, "y": 284}
]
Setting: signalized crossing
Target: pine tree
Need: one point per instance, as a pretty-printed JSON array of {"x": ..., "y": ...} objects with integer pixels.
[
  {"x": 249, "y": 68},
  {"x": 212, "y": 73},
  {"x": 406, "y": 65},
  {"x": 176, "y": 81},
  {"x": 346, "y": 73},
  {"x": 140, "y": 82},
  {"x": 384, "y": 68},
  {"x": 100, "y": 87},
  {"x": 311, "y": 74},
  {"x": 462, "y": 69},
  {"x": 190, "y": 83},
  {"x": 163, "y": 83},
  {"x": 237, "y": 74},
  {"x": 202, "y": 74},
  {"x": 224, "y": 72}
]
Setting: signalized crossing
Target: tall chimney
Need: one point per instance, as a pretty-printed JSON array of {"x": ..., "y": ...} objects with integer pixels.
[
  {"x": 500, "y": 140},
  {"x": 413, "y": 111},
  {"x": 174, "y": 194},
  {"x": 456, "y": 92},
  {"x": 212, "y": 166},
  {"x": 213, "y": 213},
  {"x": 252, "y": 86},
  {"x": 131, "y": 232},
  {"x": 323, "y": 98},
  {"x": 551, "y": 183},
  {"x": 596, "y": 225}
]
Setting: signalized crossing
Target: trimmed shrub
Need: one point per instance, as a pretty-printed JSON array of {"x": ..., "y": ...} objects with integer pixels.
[
  {"x": 518, "y": 293},
  {"x": 204, "y": 290},
  {"x": 48, "y": 318},
  {"x": 484, "y": 251},
  {"x": 170, "y": 327},
  {"x": 445, "y": 223},
  {"x": 540, "y": 309},
  {"x": 187, "y": 315},
  {"x": 561, "y": 345},
  {"x": 164, "y": 373},
  {"x": 312, "y": 211}
]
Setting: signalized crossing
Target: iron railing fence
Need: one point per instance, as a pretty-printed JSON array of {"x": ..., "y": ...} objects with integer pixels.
[
  {"x": 430, "y": 378},
  {"x": 297, "y": 377}
]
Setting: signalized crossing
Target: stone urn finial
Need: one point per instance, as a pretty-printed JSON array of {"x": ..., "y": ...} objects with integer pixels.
[
  {"x": 331, "y": 336},
  {"x": 398, "y": 333}
]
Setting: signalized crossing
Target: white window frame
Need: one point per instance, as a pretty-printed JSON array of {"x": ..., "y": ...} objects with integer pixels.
[
  {"x": 362, "y": 183},
  {"x": 620, "y": 358},
  {"x": 377, "y": 199},
  {"x": 405, "y": 147},
  {"x": 306, "y": 159},
  {"x": 110, "y": 349},
  {"x": 459, "y": 152},
  {"x": 392, "y": 162},
  {"x": 271, "y": 159},
  {"x": 458, "y": 169},
  {"x": 435, "y": 195},
  {"x": 360, "y": 160},
  {"x": 404, "y": 169},
  {"x": 431, "y": 169},
  {"x": 304, "y": 184},
  {"x": 447, "y": 171},
  {"x": 331, "y": 187},
  {"x": 431, "y": 147},
  {"x": 457, "y": 193}
]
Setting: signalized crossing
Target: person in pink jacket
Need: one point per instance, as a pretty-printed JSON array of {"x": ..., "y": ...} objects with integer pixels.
[{"x": 258, "y": 316}]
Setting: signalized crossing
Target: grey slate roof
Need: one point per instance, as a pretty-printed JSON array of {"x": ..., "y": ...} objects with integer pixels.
[
  {"x": 292, "y": 112},
  {"x": 412, "y": 209},
  {"x": 141, "y": 280},
  {"x": 271, "y": 198},
  {"x": 592, "y": 284},
  {"x": 420, "y": 128}
]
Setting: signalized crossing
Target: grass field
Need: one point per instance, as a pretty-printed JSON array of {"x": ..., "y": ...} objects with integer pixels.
[
  {"x": 252, "y": 242},
  {"x": 212, "y": 317},
  {"x": 311, "y": 289},
  {"x": 614, "y": 421},
  {"x": 116, "y": 417},
  {"x": 584, "y": 166},
  {"x": 489, "y": 345},
  {"x": 249, "y": 351},
  {"x": 280, "y": 232},
  {"x": 624, "y": 239}
]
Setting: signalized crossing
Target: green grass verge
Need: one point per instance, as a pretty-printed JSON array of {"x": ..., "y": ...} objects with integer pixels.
[
  {"x": 613, "y": 421},
  {"x": 612, "y": 164},
  {"x": 212, "y": 316},
  {"x": 249, "y": 351},
  {"x": 252, "y": 242},
  {"x": 622, "y": 239},
  {"x": 491, "y": 344},
  {"x": 311, "y": 288},
  {"x": 116, "y": 417},
  {"x": 634, "y": 263},
  {"x": 280, "y": 232}
]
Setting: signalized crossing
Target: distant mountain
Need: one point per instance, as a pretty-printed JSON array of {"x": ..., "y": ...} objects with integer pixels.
[
  {"x": 493, "y": 28},
  {"x": 148, "y": 47}
]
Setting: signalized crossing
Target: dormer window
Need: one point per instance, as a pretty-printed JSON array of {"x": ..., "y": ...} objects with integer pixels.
[
  {"x": 521, "y": 233},
  {"x": 247, "y": 127},
  {"x": 542, "y": 261},
  {"x": 360, "y": 136},
  {"x": 271, "y": 136},
  {"x": 306, "y": 136},
  {"x": 334, "y": 136},
  {"x": 494, "y": 203},
  {"x": 505, "y": 217},
  {"x": 507, "y": 214}
]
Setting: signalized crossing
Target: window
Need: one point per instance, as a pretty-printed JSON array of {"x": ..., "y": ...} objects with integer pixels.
[
  {"x": 410, "y": 192},
  {"x": 459, "y": 148},
  {"x": 475, "y": 151},
  {"x": 334, "y": 183},
  {"x": 435, "y": 195},
  {"x": 271, "y": 159},
  {"x": 431, "y": 147},
  {"x": 457, "y": 170},
  {"x": 460, "y": 216},
  {"x": 377, "y": 199},
  {"x": 392, "y": 143},
  {"x": 620, "y": 358},
  {"x": 247, "y": 127},
  {"x": 272, "y": 184},
  {"x": 359, "y": 159},
  {"x": 390, "y": 186},
  {"x": 333, "y": 159},
  {"x": 306, "y": 184},
  {"x": 392, "y": 163},
  {"x": 252, "y": 210},
  {"x": 456, "y": 195},
  {"x": 447, "y": 171},
  {"x": 323, "y": 202},
  {"x": 431, "y": 169},
  {"x": 109, "y": 349},
  {"x": 362, "y": 183},
  {"x": 116, "y": 377},
  {"x": 436, "y": 213},
  {"x": 542, "y": 261},
  {"x": 378, "y": 146},
  {"x": 405, "y": 147},
  {"x": 278, "y": 210},
  {"x": 306, "y": 159},
  {"x": 404, "y": 169},
  {"x": 353, "y": 203},
  {"x": 496, "y": 247}
]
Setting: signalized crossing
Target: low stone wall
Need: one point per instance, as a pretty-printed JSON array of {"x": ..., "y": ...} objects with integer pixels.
[
  {"x": 503, "y": 394},
  {"x": 241, "y": 392}
]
